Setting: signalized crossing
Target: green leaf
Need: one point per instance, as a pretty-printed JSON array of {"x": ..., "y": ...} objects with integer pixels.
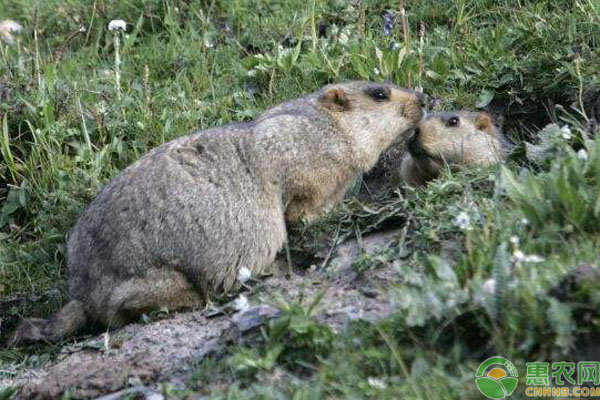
[{"x": 485, "y": 98}]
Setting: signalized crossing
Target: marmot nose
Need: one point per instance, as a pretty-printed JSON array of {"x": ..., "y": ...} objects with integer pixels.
[{"x": 414, "y": 146}]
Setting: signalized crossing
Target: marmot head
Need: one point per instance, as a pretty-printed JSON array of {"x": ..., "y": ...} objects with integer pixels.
[
  {"x": 453, "y": 138},
  {"x": 373, "y": 115}
]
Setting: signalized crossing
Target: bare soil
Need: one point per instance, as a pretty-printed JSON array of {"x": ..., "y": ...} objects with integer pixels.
[{"x": 138, "y": 358}]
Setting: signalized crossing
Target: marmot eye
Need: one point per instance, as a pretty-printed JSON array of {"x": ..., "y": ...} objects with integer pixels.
[
  {"x": 379, "y": 95},
  {"x": 453, "y": 121}
]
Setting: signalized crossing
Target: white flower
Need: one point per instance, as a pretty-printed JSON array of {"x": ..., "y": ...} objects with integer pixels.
[
  {"x": 207, "y": 43},
  {"x": 519, "y": 256},
  {"x": 565, "y": 132},
  {"x": 7, "y": 28},
  {"x": 117, "y": 25},
  {"x": 524, "y": 221},
  {"x": 534, "y": 258},
  {"x": 244, "y": 274},
  {"x": 376, "y": 71},
  {"x": 514, "y": 239},
  {"x": 241, "y": 303},
  {"x": 343, "y": 39},
  {"x": 582, "y": 155},
  {"x": 463, "y": 221},
  {"x": 376, "y": 383},
  {"x": 489, "y": 286}
]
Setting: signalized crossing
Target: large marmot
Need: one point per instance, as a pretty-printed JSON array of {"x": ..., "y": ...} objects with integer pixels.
[{"x": 179, "y": 223}]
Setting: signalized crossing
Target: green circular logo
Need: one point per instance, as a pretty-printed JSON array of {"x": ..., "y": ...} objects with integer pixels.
[{"x": 496, "y": 378}]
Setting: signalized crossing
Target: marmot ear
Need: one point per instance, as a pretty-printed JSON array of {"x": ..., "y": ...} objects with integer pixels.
[
  {"x": 483, "y": 122},
  {"x": 334, "y": 99}
]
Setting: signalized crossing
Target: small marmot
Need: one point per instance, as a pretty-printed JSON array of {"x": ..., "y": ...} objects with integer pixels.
[
  {"x": 452, "y": 138},
  {"x": 178, "y": 224}
]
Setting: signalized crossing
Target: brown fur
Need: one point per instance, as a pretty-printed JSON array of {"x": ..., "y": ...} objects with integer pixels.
[
  {"x": 475, "y": 140},
  {"x": 177, "y": 225}
]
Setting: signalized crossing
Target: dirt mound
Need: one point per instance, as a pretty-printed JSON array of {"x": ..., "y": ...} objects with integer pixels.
[{"x": 166, "y": 351}]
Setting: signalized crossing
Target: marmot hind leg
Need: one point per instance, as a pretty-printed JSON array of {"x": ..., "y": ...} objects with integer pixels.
[{"x": 159, "y": 288}]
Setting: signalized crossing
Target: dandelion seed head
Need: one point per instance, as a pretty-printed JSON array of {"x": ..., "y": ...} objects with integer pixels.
[
  {"x": 8, "y": 28},
  {"x": 117, "y": 25}
]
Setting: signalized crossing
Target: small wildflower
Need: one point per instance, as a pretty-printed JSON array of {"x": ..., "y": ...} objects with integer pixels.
[
  {"x": 489, "y": 286},
  {"x": 582, "y": 155},
  {"x": 514, "y": 239},
  {"x": 524, "y": 221},
  {"x": 519, "y": 256},
  {"x": 7, "y": 28},
  {"x": 534, "y": 258},
  {"x": 244, "y": 274},
  {"x": 241, "y": 303},
  {"x": 389, "y": 20},
  {"x": 343, "y": 38},
  {"x": 376, "y": 383},
  {"x": 565, "y": 132},
  {"x": 117, "y": 25},
  {"x": 394, "y": 46},
  {"x": 82, "y": 29},
  {"x": 376, "y": 71},
  {"x": 463, "y": 221}
]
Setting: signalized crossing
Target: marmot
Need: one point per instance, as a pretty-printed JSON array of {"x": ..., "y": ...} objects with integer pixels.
[
  {"x": 178, "y": 224},
  {"x": 453, "y": 138}
]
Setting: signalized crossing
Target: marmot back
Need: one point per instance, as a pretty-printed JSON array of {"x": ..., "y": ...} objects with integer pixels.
[
  {"x": 178, "y": 225},
  {"x": 451, "y": 138}
]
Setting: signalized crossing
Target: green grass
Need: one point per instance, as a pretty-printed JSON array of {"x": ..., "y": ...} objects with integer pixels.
[{"x": 66, "y": 130}]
